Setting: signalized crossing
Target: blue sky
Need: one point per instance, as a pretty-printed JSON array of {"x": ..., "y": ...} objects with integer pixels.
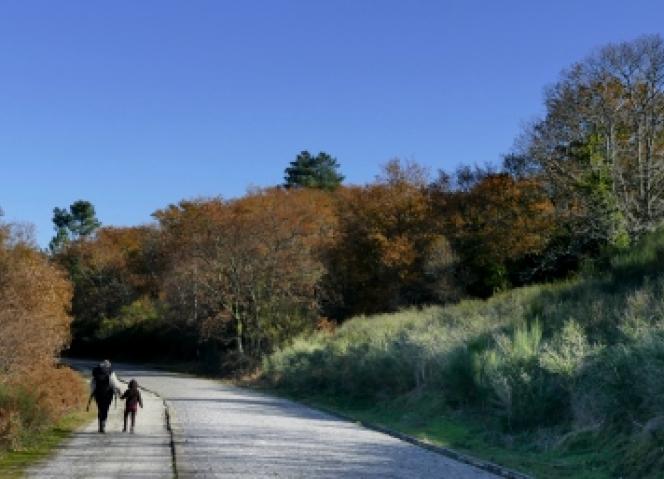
[{"x": 137, "y": 104}]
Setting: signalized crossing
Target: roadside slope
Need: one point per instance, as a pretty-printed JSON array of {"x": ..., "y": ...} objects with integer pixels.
[{"x": 561, "y": 379}]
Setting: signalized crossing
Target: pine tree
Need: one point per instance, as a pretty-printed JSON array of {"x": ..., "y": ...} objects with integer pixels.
[
  {"x": 77, "y": 222},
  {"x": 307, "y": 171}
]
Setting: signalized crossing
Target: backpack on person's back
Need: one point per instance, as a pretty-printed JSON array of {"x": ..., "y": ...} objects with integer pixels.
[
  {"x": 103, "y": 387},
  {"x": 102, "y": 377}
]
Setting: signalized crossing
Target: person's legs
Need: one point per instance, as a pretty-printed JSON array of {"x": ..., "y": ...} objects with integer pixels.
[
  {"x": 100, "y": 421},
  {"x": 103, "y": 403},
  {"x": 124, "y": 428},
  {"x": 101, "y": 415},
  {"x": 133, "y": 420}
]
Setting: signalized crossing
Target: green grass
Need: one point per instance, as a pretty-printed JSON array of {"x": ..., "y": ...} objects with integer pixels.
[
  {"x": 41, "y": 444},
  {"x": 586, "y": 456}
]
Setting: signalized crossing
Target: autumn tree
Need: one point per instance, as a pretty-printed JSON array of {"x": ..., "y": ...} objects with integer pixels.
[
  {"x": 385, "y": 244},
  {"x": 34, "y": 319},
  {"x": 494, "y": 223},
  {"x": 34, "y": 328},
  {"x": 320, "y": 171},
  {"x": 601, "y": 145},
  {"x": 244, "y": 273}
]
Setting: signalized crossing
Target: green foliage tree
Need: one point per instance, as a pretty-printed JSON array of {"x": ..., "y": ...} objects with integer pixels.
[
  {"x": 78, "y": 222},
  {"x": 83, "y": 218},
  {"x": 320, "y": 171}
]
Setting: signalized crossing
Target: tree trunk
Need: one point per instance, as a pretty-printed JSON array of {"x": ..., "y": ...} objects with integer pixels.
[{"x": 239, "y": 331}]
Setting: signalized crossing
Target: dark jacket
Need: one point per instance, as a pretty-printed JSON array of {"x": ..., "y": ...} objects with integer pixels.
[{"x": 133, "y": 399}]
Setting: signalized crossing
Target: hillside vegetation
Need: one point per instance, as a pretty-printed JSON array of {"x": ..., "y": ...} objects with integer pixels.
[
  {"x": 34, "y": 327},
  {"x": 225, "y": 281},
  {"x": 568, "y": 375},
  {"x": 569, "y": 368}
]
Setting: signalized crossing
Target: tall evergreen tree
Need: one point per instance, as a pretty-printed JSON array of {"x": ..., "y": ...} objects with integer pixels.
[
  {"x": 78, "y": 221},
  {"x": 83, "y": 218},
  {"x": 307, "y": 171}
]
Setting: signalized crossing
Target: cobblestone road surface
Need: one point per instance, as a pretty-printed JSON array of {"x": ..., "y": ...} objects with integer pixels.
[
  {"x": 146, "y": 454},
  {"x": 225, "y": 432}
]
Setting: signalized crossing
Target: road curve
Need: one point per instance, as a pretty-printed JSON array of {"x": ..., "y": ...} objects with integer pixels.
[{"x": 221, "y": 431}]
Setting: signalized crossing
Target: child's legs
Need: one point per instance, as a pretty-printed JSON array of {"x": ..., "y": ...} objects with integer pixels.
[
  {"x": 133, "y": 419},
  {"x": 126, "y": 413}
]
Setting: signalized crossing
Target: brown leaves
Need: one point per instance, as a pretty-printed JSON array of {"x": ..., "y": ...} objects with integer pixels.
[
  {"x": 250, "y": 273},
  {"x": 509, "y": 217},
  {"x": 34, "y": 326},
  {"x": 385, "y": 232},
  {"x": 246, "y": 270},
  {"x": 497, "y": 221},
  {"x": 34, "y": 320}
]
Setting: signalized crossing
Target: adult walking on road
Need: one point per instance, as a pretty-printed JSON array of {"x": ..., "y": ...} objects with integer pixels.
[{"x": 103, "y": 387}]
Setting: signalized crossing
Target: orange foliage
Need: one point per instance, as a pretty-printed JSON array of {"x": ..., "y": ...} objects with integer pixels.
[
  {"x": 34, "y": 319},
  {"x": 245, "y": 271},
  {"x": 500, "y": 219},
  {"x": 124, "y": 251},
  {"x": 385, "y": 237},
  {"x": 34, "y": 327},
  {"x": 35, "y": 399}
]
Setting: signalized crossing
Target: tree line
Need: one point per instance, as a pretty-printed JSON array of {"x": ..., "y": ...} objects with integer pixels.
[{"x": 219, "y": 278}]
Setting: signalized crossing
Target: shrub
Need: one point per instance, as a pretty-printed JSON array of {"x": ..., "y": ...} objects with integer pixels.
[
  {"x": 516, "y": 387},
  {"x": 565, "y": 354},
  {"x": 34, "y": 400},
  {"x": 34, "y": 327},
  {"x": 623, "y": 384}
]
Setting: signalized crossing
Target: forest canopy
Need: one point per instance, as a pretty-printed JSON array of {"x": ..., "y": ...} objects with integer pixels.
[{"x": 228, "y": 280}]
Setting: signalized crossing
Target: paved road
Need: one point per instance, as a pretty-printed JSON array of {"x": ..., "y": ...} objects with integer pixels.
[
  {"x": 88, "y": 454},
  {"x": 225, "y": 432}
]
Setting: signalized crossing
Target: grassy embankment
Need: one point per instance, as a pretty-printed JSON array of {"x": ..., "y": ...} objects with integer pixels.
[
  {"x": 34, "y": 420},
  {"x": 559, "y": 380}
]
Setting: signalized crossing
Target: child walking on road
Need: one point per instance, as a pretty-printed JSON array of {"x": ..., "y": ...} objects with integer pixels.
[{"x": 132, "y": 397}]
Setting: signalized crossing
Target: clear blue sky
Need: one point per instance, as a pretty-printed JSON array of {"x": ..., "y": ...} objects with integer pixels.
[{"x": 137, "y": 104}]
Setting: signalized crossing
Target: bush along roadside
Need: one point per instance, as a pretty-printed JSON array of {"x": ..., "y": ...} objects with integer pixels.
[
  {"x": 552, "y": 379},
  {"x": 36, "y": 414}
]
